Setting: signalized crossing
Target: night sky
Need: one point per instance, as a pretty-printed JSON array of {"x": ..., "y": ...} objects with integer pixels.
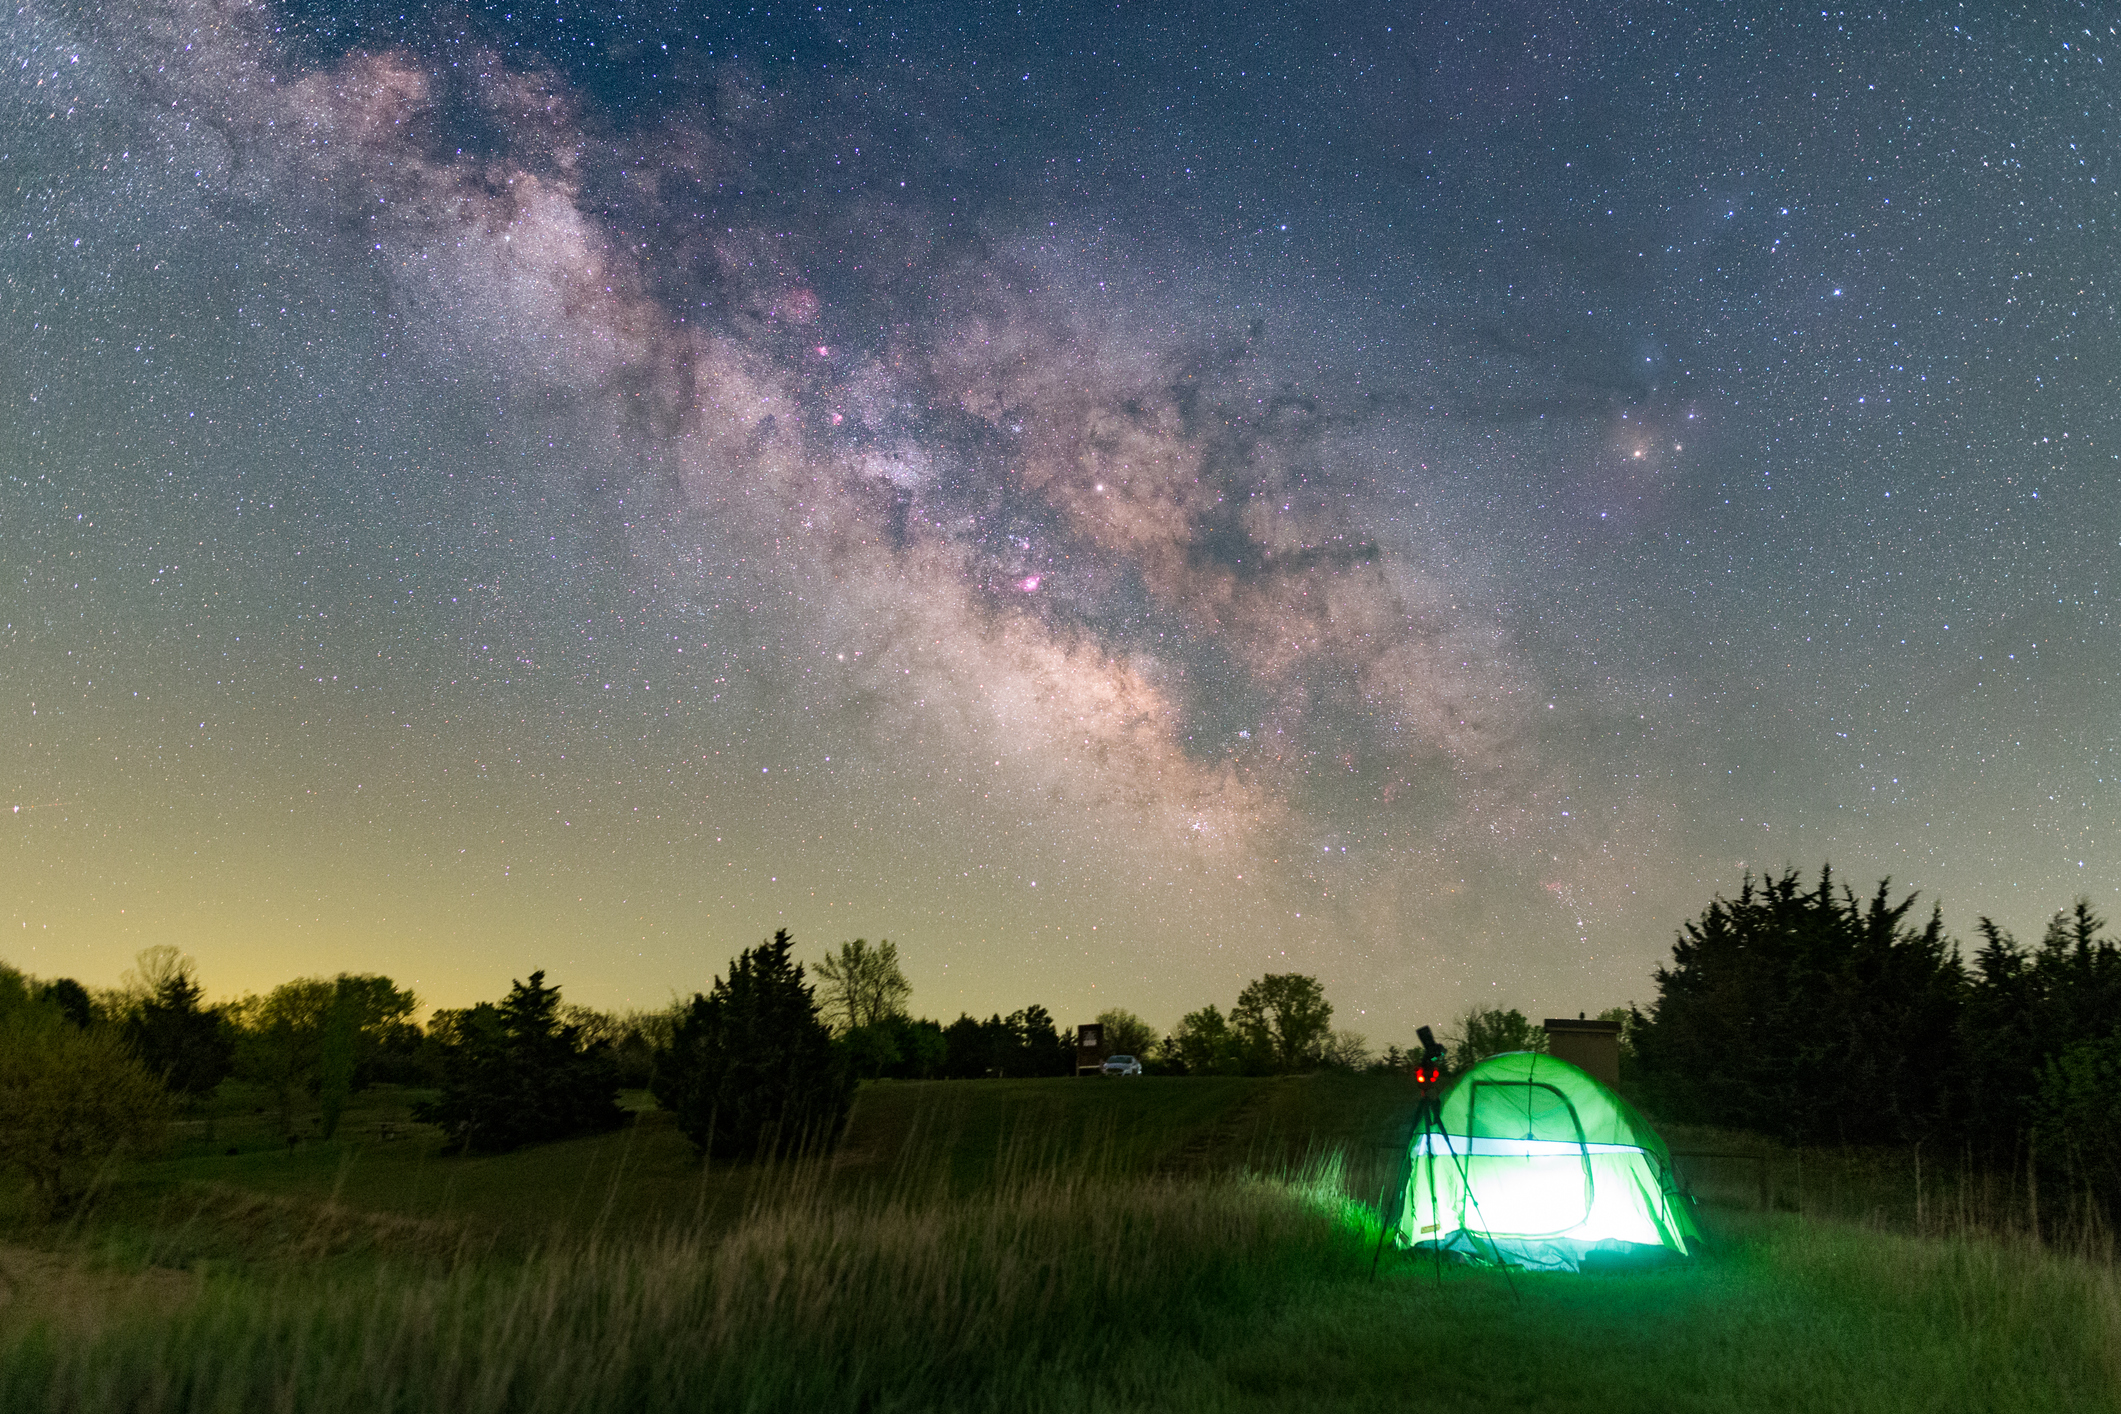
[{"x": 1115, "y": 499}]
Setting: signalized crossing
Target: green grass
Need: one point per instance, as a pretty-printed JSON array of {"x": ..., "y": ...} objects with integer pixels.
[
  {"x": 1023, "y": 1245},
  {"x": 952, "y": 1136},
  {"x": 1781, "y": 1315}
]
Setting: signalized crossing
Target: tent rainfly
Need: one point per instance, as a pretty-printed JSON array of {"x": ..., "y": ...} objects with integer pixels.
[{"x": 1529, "y": 1161}]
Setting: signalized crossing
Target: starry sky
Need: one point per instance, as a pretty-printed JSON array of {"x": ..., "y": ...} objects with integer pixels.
[{"x": 1116, "y": 499}]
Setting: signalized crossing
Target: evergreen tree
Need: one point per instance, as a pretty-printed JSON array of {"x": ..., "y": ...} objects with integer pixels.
[
  {"x": 1036, "y": 1045},
  {"x": 2075, "y": 1123},
  {"x": 1808, "y": 1015},
  {"x": 2027, "y": 1010},
  {"x": 1023, "y": 1043},
  {"x": 751, "y": 1067},
  {"x": 188, "y": 1047},
  {"x": 968, "y": 1049},
  {"x": 514, "y": 1074}
]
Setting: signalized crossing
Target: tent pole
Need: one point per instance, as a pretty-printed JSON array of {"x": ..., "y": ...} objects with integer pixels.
[
  {"x": 1382, "y": 1195},
  {"x": 1465, "y": 1182}
]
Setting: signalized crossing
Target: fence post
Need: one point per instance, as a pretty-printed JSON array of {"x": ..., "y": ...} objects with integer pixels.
[{"x": 2032, "y": 1181}]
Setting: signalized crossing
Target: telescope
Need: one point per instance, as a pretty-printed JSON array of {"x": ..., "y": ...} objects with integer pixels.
[{"x": 1429, "y": 1069}]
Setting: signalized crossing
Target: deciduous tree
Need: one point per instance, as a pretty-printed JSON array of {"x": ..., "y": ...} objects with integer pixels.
[
  {"x": 861, "y": 985},
  {"x": 1285, "y": 1016},
  {"x": 322, "y": 1038},
  {"x": 1346, "y": 1050},
  {"x": 280, "y": 1040},
  {"x": 1126, "y": 1034},
  {"x": 897, "y": 1046},
  {"x": 1203, "y": 1044},
  {"x": 1491, "y": 1031}
]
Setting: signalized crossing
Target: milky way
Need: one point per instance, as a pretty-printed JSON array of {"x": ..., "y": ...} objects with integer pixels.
[{"x": 1114, "y": 500}]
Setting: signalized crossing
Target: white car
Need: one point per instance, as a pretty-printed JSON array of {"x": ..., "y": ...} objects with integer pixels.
[{"x": 1121, "y": 1065}]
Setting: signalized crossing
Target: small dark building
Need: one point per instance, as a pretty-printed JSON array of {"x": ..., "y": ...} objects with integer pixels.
[
  {"x": 1089, "y": 1048},
  {"x": 1591, "y": 1046}
]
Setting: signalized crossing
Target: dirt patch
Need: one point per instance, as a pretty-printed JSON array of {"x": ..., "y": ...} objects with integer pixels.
[
  {"x": 272, "y": 1227},
  {"x": 66, "y": 1291}
]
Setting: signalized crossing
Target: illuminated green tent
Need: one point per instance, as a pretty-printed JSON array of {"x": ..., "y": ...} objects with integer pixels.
[{"x": 1530, "y": 1161}]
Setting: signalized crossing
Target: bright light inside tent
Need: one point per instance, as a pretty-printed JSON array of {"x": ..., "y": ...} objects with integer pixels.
[{"x": 1531, "y": 1161}]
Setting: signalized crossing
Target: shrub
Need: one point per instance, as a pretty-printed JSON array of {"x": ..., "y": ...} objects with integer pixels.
[{"x": 71, "y": 1101}]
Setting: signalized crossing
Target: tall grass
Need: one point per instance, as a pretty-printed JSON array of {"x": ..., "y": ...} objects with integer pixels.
[
  {"x": 895, "y": 1301},
  {"x": 1019, "y": 1260},
  {"x": 2006, "y": 1321},
  {"x": 1928, "y": 1193}
]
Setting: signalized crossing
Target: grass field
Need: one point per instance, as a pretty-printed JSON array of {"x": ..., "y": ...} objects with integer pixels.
[{"x": 1166, "y": 1244}]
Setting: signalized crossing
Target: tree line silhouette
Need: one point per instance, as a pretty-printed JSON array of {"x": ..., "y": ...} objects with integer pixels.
[
  {"x": 765, "y": 1059},
  {"x": 1821, "y": 1017},
  {"x": 1803, "y": 1012}
]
